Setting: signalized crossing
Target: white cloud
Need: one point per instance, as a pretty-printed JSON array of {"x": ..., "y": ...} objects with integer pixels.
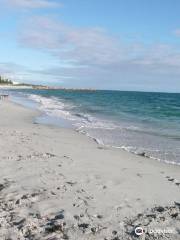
[
  {"x": 94, "y": 46},
  {"x": 30, "y": 4},
  {"x": 94, "y": 58},
  {"x": 78, "y": 46}
]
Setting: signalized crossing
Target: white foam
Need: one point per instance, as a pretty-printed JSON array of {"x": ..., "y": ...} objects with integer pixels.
[
  {"x": 52, "y": 107},
  {"x": 56, "y": 108},
  {"x": 87, "y": 124}
]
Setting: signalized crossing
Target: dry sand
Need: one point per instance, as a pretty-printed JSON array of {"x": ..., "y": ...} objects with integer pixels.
[{"x": 58, "y": 184}]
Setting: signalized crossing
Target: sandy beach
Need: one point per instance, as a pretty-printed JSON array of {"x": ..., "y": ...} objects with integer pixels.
[{"x": 59, "y": 184}]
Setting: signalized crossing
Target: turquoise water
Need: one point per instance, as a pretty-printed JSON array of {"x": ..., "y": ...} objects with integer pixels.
[{"x": 136, "y": 121}]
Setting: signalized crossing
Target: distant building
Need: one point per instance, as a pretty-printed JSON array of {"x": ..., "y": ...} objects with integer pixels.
[{"x": 15, "y": 83}]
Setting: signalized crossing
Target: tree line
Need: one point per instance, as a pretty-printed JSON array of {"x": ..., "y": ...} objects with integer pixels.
[{"x": 5, "y": 81}]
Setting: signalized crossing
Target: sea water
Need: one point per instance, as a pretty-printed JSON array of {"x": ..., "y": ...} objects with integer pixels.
[{"x": 139, "y": 122}]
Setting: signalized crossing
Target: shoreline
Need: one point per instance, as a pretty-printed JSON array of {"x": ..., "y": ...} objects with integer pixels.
[
  {"x": 155, "y": 139},
  {"x": 47, "y": 170},
  {"x": 66, "y": 123},
  {"x": 38, "y": 113}
]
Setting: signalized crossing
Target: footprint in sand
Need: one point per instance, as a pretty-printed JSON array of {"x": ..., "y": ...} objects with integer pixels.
[
  {"x": 139, "y": 175},
  {"x": 66, "y": 160},
  {"x": 173, "y": 180}
]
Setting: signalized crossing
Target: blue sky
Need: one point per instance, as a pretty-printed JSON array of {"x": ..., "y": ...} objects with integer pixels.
[{"x": 104, "y": 44}]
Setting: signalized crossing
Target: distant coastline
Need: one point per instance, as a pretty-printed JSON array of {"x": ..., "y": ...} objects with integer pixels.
[
  {"x": 41, "y": 87},
  {"x": 9, "y": 84}
]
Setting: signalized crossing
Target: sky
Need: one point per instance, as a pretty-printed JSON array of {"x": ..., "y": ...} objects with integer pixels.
[{"x": 102, "y": 44}]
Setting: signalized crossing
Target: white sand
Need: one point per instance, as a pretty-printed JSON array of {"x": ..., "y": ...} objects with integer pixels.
[{"x": 97, "y": 192}]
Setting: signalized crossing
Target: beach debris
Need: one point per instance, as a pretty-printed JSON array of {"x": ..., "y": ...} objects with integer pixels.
[
  {"x": 174, "y": 215},
  {"x": 71, "y": 183},
  {"x": 159, "y": 209},
  {"x": 58, "y": 226},
  {"x": 142, "y": 154},
  {"x": 53, "y": 226},
  {"x": 177, "y": 182},
  {"x": 94, "y": 230},
  {"x": 77, "y": 217},
  {"x": 114, "y": 232},
  {"x": 139, "y": 175},
  {"x": 2, "y": 186},
  {"x": 99, "y": 216},
  {"x": 158, "y": 216},
  {"x": 116, "y": 238},
  {"x": 171, "y": 179},
  {"x": 60, "y": 215},
  {"x": 177, "y": 204},
  {"x": 83, "y": 226},
  {"x": 152, "y": 215},
  {"x": 19, "y": 221},
  {"x": 50, "y": 155}
]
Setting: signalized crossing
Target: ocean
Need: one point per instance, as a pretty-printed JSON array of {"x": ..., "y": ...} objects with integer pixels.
[{"x": 139, "y": 122}]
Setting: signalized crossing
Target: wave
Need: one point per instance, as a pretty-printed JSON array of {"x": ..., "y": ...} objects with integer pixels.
[
  {"x": 57, "y": 108},
  {"x": 53, "y": 107},
  {"x": 129, "y": 136}
]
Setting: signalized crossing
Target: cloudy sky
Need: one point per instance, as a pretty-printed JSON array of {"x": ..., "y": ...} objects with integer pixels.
[{"x": 104, "y": 44}]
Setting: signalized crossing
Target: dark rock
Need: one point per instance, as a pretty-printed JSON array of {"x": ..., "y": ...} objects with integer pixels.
[
  {"x": 83, "y": 225},
  {"x": 65, "y": 236},
  {"x": 142, "y": 154},
  {"x": 1, "y": 187},
  {"x": 50, "y": 155},
  {"x": 34, "y": 194},
  {"x": 114, "y": 232},
  {"x": 93, "y": 229},
  {"x": 171, "y": 179},
  {"x": 116, "y": 238},
  {"x": 17, "y": 202},
  {"x": 71, "y": 183},
  {"x": 177, "y": 204},
  {"x": 19, "y": 221},
  {"x": 160, "y": 209},
  {"x": 38, "y": 215},
  {"x": 76, "y": 217},
  {"x": 174, "y": 215},
  {"x": 51, "y": 229},
  {"x": 59, "y": 216},
  {"x": 151, "y": 215},
  {"x": 162, "y": 218},
  {"x": 99, "y": 216},
  {"x": 53, "y": 226},
  {"x": 24, "y": 197}
]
